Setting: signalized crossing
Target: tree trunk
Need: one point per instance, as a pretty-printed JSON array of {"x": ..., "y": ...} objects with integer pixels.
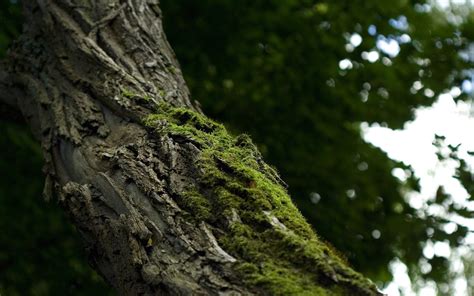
[{"x": 166, "y": 201}]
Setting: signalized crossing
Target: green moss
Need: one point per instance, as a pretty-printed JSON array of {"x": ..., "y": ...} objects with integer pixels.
[
  {"x": 126, "y": 93},
  {"x": 278, "y": 252},
  {"x": 200, "y": 205},
  {"x": 161, "y": 93}
]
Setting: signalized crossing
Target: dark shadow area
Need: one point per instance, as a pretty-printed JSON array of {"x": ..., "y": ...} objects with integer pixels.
[{"x": 40, "y": 251}]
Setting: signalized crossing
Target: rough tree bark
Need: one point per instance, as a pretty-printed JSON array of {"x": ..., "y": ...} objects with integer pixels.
[{"x": 167, "y": 202}]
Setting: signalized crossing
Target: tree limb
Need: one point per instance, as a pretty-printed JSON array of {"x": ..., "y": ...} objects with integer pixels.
[{"x": 166, "y": 200}]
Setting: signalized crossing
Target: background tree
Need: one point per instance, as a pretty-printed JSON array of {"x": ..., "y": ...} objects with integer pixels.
[{"x": 310, "y": 86}]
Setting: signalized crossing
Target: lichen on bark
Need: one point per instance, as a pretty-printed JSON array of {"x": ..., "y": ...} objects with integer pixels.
[{"x": 251, "y": 213}]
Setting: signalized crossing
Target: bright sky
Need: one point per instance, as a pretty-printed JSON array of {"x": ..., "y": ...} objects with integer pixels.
[{"x": 413, "y": 146}]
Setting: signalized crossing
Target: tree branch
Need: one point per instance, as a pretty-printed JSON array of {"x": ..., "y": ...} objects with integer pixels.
[{"x": 165, "y": 199}]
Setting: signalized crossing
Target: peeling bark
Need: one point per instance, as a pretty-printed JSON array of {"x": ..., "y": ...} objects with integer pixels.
[{"x": 85, "y": 75}]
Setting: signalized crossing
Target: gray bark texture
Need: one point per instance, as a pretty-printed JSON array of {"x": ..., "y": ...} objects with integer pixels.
[{"x": 85, "y": 75}]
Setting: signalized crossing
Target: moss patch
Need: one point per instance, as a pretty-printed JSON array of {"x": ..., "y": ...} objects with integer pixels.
[
  {"x": 278, "y": 253},
  {"x": 126, "y": 93}
]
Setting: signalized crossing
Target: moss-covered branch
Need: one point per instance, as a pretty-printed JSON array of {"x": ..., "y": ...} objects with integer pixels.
[
  {"x": 173, "y": 205},
  {"x": 244, "y": 199}
]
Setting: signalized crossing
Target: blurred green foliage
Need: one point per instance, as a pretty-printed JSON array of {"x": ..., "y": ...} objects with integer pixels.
[
  {"x": 10, "y": 23},
  {"x": 469, "y": 272},
  {"x": 271, "y": 68}
]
